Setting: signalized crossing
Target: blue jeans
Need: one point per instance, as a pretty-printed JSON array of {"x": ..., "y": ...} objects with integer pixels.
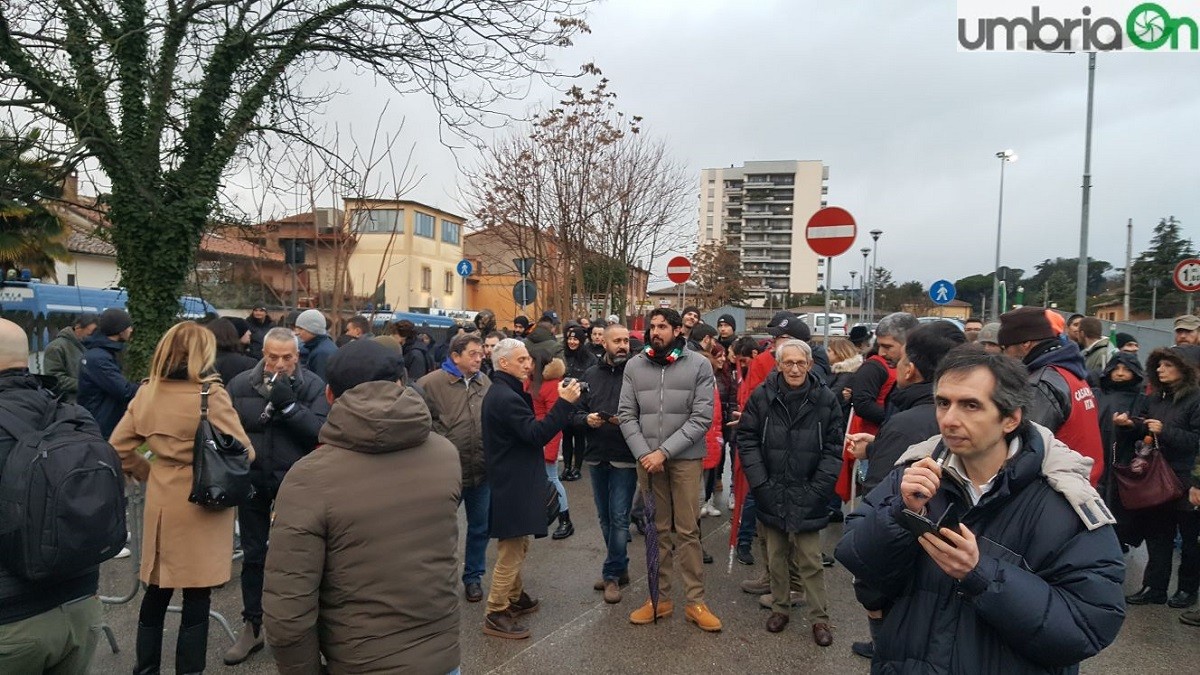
[
  {"x": 613, "y": 491},
  {"x": 552, "y": 475},
  {"x": 478, "y": 501},
  {"x": 748, "y": 525}
]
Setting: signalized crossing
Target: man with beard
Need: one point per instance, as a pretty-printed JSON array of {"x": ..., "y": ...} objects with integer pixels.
[
  {"x": 666, "y": 408},
  {"x": 691, "y": 319},
  {"x": 610, "y": 463}
]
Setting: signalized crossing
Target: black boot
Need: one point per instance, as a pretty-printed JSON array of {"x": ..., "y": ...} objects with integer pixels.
[
  {"x": 191, "y": 650},
  {"x": 565, "y": 528},
  {"x": 149, "y": 650}
]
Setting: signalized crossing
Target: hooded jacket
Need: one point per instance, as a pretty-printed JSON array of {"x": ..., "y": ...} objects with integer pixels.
[
  {"x": 456, "y": 405},
  {"x": 61, "y": 361},
  {"x": 790, "y": 443},
  {"x": 103, "y": 388},
  {"x": 578, "y": 360},
  {"x": 1177, "y": 407},
  {"x": 544, "y": 398},
  {"x": 362, "y": 565},
  {"x": 541, "y": 342},
  {"x": 417, "y": 361},
  {"x": 1069, "y": 409},
  {"x": 1120, "y": 397},
  {"x": 512, "y": 444},
  {"x": 25, "y": 396},
  {"x": 1045, "y": 595},
  {"x": 283, "y": 437},
  {"x": 667, "y": 406},
  {"x": 606, "y": 444},
  {"x": 914, "y": 420}
]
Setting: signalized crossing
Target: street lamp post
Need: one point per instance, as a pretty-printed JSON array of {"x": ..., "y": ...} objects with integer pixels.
[
  {"x": 1081, "y": 274},
  {"x": 853, "y": 274},
  {"x": 1005, "y": 156},
  {"x": 862, "y": 287},
  {"x": 874, "y": 268}
]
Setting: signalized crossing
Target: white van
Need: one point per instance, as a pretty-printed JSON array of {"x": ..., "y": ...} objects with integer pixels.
[{"x": 838, "y": 325}]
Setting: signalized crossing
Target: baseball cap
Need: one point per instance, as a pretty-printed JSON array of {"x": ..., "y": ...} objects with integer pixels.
[
  {"x": 1187, "y": 322},
  {"x": 791, "y": 326}
]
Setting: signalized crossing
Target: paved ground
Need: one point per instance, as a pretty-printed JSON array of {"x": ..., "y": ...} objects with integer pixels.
[{"x": 576, "y": 631}]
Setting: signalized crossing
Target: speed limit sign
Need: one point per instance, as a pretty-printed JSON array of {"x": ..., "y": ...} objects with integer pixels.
[{"x": 1187, "y": 275}]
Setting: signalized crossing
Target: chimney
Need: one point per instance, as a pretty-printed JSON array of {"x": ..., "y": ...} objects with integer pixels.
[{"x": 70, "y": 188}]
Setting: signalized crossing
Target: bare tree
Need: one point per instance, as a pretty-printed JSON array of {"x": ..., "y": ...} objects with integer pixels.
[
  {"x": 166, "y": 96},
  {"x": 581, "y": 188}
]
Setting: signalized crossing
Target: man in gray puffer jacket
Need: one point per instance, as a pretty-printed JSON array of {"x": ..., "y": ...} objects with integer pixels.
[{"x": 666, "y": 409}]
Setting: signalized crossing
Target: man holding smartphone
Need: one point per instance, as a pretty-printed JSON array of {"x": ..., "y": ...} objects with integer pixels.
[
  {"x": 1030, "y": 581},
  {"x": 611, "y": 465}
]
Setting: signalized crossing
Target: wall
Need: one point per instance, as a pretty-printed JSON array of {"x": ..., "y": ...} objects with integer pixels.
[{"x": 92, "y": 271}]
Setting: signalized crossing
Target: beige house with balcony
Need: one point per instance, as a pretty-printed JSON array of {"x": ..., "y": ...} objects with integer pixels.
[{"x": 405, "y": 253}]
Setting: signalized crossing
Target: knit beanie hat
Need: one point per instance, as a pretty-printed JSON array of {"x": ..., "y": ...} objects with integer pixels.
[
  {"x": 1027, "y": 324},
  {"x": 113, "y": 321},
  {"x": 312, "y": 320},
  {"x": 727, "y": 319},
  {"x": 690, "y": 308},
  {"x": 988, "y": 334},
  {"x": 1124, "y": 339}
]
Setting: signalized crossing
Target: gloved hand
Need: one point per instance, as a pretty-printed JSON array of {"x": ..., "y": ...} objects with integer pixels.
[{"x": 282, "y": 394}]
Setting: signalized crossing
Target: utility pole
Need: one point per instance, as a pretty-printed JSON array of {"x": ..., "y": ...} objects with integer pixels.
[
  {"x": 1081, "y": 275},
  {"x": 1128, "y": 265}
]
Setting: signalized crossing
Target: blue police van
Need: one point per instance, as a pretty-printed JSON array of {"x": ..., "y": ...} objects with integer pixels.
[{"x": 44, "y": 309}]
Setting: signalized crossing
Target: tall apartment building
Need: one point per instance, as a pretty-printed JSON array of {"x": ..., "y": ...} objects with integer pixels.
[{"x": 760, "y": 210}]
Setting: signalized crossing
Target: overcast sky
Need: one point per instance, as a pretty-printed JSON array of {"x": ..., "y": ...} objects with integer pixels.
[{"x": 908, "y": 126}]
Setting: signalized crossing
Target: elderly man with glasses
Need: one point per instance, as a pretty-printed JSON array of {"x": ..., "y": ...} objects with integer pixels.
[{"x": 790, "y": 440}]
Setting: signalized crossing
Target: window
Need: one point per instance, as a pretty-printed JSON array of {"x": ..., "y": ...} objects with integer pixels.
[
  {"x": 426, "y": 279},
  {"x": 378, "y": 221},
  {"x": 423, "y": 227},
  {"x": 70, "y": 279},
  {"x": 449, "y": 283},
  {"x": 450, "y": 232}
]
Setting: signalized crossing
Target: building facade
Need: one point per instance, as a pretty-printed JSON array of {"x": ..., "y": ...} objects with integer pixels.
[{"x": 760, "y": 210}]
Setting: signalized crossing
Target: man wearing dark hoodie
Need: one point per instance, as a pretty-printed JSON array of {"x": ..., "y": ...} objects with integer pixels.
[
  {"x": 369, "y": 582},
  {"x": 417, "y": 360},
  {"x": 103, "y": 388},
  {"x": 63, "y": 354},
  {"x": 260, "y": 323},
  {"x": 316, "y": 347},
  {"x": 1062, "y": 400}
]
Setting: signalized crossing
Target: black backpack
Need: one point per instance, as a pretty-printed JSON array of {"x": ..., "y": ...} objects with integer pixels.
[{"x": 62, "y": 495}]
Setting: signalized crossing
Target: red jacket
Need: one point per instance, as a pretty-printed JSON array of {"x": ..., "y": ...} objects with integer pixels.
[
  {"x": 713, "y": 439},
  {"x": 760, "y": 370},
  {"x": 544, "y": 399}
]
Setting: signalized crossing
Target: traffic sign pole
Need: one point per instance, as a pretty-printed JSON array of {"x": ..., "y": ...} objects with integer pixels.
[
  {"x": 828, "y": 276},
  {"x": 830, "y": 232}
]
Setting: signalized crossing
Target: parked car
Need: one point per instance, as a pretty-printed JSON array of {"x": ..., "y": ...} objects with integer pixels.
[
  {"x": 931, "y": 319},
  {"x": 838, "y": 324}
]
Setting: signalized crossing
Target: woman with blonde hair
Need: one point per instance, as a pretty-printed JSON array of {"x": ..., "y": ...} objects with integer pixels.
[
  {"x": 184, "y": 545},
  {"x": 844, "y": 361}
]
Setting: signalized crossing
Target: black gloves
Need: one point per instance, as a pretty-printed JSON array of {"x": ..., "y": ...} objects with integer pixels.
[{"x": 282, "y": 394}]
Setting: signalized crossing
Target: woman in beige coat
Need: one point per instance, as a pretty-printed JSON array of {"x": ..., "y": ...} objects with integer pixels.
[{"x": 184, "y": 545}]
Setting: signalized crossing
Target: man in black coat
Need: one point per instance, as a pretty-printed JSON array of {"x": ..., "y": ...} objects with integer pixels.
[
  {"x": 914, "y": 420},
  {"x": 513, "y": 439},
  {"x": 1030, "y": 581},
  {"x": 260, "y": 322},
  {"x": 282, "y": 418},
  {"x": 103, "y": 388},
  {"x": 790, "y": 441},
  {"x": 611, "y": 465}
]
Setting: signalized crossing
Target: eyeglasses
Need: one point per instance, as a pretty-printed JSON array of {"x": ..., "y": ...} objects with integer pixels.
[{"x": 793, "y": 365}]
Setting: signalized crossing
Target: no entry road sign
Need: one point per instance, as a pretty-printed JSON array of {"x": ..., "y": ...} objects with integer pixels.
[
  {"x": 679, "y": 269},
  {"x": 831, "y": 231}
]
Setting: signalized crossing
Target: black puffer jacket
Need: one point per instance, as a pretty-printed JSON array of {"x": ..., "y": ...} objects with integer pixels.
[
  {"x": 1120, "y": 397},
  {"x": 258, "y": 331},
  {"x": 283, "y": 438},
  {"x": 1045, "y": 595},
  {"x": 578, "y": 360},
  {"x": 790, "y": 442},
  {"x": 915, "y": 420},
  {"x": 25, "y": 396},
  {"x": 1177, "y": 407},
  {"x": 606, "y": 444}
]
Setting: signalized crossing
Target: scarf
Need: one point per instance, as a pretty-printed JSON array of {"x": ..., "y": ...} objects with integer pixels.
[{"x": 670, "y": 354}]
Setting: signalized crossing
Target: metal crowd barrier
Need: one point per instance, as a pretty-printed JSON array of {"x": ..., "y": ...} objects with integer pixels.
[{"x": 135, "y": 519}]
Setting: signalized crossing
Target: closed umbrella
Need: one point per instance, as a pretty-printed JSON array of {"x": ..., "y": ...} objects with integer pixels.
[
  {"x": 740, "y": 488},
  {"x": 652, "y": 560}
]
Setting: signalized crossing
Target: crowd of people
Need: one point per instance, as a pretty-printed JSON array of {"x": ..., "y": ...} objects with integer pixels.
[{"x": 988, "y": 479}]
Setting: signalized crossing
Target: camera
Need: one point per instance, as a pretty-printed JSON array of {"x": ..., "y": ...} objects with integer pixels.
[{"x": 583, "y": 386}]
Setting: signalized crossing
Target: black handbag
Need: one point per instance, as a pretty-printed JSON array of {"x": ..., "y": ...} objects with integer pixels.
[
  {"x": 553, "y": 510},
  {"x": 220, "y": 465}
]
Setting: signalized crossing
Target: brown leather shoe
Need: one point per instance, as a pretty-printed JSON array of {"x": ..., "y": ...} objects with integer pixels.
[
  {"x": 612, "y": 592},
  {"x": 822, "y": 635},
  {"x": 473, "y": 592},
  {"x": 645, "y": 614},
  {"x": 777, "y": 622},
  {"x": 504, "y": 625},
  {"x": 523, "y": 605}
]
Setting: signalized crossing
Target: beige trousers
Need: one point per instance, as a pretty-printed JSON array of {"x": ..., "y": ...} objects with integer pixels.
[
  {"x": 677, "y": 520},
  {"x": 506, "y": 576}
]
